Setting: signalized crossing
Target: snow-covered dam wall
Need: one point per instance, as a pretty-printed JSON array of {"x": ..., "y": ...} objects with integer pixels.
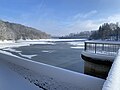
[
  {"x": 49, "y": 77},
  {"x": 113, "y": 79},
  {"x": 103, "y": 57}
]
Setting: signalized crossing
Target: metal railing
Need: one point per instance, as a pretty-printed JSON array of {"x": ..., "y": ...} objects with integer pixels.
[{"x": 102, "y": 47}]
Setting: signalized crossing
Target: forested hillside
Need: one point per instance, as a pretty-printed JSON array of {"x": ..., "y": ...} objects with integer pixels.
[{"x": 13, "y": 31}]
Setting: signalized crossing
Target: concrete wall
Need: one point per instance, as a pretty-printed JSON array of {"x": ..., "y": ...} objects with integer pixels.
[
  {"x": 96, "y": 64},
  {"x": 97, "y": 70}
]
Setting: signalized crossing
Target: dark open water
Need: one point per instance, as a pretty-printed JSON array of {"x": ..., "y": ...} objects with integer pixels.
[{"x": 59, "y": 54}]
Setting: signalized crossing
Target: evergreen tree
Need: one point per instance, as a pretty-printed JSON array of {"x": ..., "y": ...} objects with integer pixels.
[{"x": 107, "y": 32}]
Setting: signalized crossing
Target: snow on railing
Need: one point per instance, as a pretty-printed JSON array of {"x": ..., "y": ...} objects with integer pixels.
[
  {"x": 49, "y": 77},
  {"x": 102, "y": 47},
  {"x": 113, "y": 79}
]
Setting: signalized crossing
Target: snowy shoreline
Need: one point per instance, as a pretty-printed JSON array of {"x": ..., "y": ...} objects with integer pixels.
[
  {"x": 19, "y": 43},
  {"x": 10, "y": 45}
]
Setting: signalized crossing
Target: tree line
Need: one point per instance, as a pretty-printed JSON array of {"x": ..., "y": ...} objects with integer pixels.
[
  {"x": 107, "y": 32},
  {"x": 80, "y": 35}
]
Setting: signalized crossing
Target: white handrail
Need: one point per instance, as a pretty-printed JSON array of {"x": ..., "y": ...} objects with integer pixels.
[{"x": 113, "y": 79}]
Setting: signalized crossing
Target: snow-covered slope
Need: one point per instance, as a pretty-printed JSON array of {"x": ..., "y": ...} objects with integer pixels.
[{"x": 113, "y": 79}]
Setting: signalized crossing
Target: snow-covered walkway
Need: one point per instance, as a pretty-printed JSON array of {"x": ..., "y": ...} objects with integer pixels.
[{"x": 10, "y": 80}]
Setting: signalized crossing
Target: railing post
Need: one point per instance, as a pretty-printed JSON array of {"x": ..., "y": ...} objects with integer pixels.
[
  {"x": 102, "y": 47},
  {"x": 95, "y": 47},
  {"x": 85, "y": 46}
]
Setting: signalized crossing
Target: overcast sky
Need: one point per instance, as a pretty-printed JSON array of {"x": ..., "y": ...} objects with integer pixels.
[{"x": 61, "y": 17}]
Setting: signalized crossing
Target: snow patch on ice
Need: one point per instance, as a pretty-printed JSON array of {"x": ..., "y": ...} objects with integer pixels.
[
  {"x": 12, "y": 50},
  {"x": 47, "y": 51},
  {"x": 10, "y": 44},
  {"x": 76, "y": 43},
  {"x": 56, "y": 40},
  {"x": 35, "y": 42},
  {"x": 8, "y": 53},
  {"x": 27, "y": 56},
  {"x": 77, "y": 47}
]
